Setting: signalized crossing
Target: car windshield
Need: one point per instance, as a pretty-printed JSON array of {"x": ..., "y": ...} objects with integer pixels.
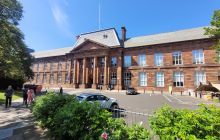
[{"x": 79, "y": 98}]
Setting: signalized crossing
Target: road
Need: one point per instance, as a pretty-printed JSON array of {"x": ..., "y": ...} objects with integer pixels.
[{"x": 146, "y": 104}]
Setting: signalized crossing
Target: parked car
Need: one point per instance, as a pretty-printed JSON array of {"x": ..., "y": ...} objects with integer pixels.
[
  {"x": 131, "y": 91},
  {"x": 105, "y": 102}
]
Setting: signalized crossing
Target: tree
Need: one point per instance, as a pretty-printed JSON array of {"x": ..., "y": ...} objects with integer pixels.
[
  {"x": 214, "y": 31},
  {"x": 15, "y": 58}
]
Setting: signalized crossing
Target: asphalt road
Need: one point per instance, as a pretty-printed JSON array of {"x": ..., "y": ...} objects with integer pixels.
[{"x": 139, "y": 107}]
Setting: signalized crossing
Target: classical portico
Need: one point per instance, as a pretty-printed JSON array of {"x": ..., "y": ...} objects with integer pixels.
[{"x": 91, "y": 65}]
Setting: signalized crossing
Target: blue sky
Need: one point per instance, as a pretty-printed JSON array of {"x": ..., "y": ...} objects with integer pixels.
[{"x": 50, "y": 24}]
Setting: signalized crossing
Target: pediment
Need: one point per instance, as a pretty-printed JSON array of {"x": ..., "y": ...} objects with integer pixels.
[{"x": 90, "y": 45}]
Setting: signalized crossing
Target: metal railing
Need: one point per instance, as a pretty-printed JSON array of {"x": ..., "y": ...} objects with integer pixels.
[{"x": 131, "y": 117}]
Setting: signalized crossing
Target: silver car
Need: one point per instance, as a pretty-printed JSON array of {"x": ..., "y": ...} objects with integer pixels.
[{"x": 105, "y": 102}]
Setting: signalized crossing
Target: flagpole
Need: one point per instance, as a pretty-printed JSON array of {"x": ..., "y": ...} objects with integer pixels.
[{"x": 99, "y": 14}]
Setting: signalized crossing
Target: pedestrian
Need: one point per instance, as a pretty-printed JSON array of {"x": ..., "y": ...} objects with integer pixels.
[
  {"x": 30, "y": 94},
  {"x": 61, "y": 91},
  {"x": 8, "y": 96},
  {"x": 25, "y": 96}
]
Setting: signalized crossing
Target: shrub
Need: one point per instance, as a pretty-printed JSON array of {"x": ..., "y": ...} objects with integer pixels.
[
  {"x": 118, "y": 130},
  {"x": 203, "y": 123},
  {"x": 80, "y": 121},
  {"x": 46, "y": 107}
]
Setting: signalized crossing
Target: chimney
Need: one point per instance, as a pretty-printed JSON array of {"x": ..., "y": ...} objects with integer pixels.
[
  {"x": 77, "y": 37},
  {"x": 123, "y": 34}
]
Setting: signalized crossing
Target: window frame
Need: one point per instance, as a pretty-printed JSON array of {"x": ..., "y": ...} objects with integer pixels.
[
  {"x": 200, "y": 54},
  {"x": 158, "y": 57},
  {"x": 197, "y": 80},
  {"x": 142, "y": 61},
  {"x": 127, "y": 61},
  {"x": 177, "y": 58},
  {"x": 159, "y": 79},
  {"x": 114, "y": 61},
  {"x": 178, "y": 78},
  {"x": 142, "y": 79}
]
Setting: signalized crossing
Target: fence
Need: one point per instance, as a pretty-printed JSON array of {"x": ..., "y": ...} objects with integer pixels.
[{"x": 132, "y": 117}]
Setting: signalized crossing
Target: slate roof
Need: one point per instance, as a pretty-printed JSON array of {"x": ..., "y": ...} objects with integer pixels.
[
  {"x": 112, "y": 40},
  {"x": 50, "y": 53},
  {"x": 106, "y": 37},
  {"x": 177, "y": 36}
]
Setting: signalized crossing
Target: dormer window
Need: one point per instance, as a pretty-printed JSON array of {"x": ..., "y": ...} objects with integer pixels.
[{"x": 105, "y": 36}]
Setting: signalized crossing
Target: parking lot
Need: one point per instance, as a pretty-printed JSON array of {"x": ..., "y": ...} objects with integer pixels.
[{"x": 139, "y": 107}]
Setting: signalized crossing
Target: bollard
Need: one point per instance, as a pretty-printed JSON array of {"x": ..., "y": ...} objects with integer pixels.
[
  {"x": 181, "y": 93},
  {"x": 171, "y": 92},
  {"x": 161, "y": 92},
  {"x": 200, "y": 95},
  {"x": 144, "y": 90},
  {"x": 196, "y": 94},
  {"x": 212, "y": 94},
  {"x": 189, "y": 94},
  {"x": 152, "y": 91}
]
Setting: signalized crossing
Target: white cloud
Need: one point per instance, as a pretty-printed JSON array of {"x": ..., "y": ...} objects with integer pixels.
[{"x": 60, "y": 16}]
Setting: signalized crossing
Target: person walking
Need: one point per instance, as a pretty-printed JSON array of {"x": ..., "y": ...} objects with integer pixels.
[
  {"x": 61, "y": 91},
  {"x": 8, "y": 96},
  {"x": 30, "y": 94},
  {"x": 25, "y": 96}
]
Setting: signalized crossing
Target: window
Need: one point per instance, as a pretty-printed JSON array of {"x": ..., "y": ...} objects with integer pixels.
[
  {"x": 198, "y": 57},
  {"x": 127, "y": 79},
  {"x": 102, "y": 62},
  {"x": 91, "y": 63},
  {"x": 142, "y": 60},
  {"x": 200, "y": 76},
  {"x": 160, "y": 79},
  {"x": 59, "y": 77},
  {"x": 59, "y": 66},
  {"x": 45, "y": 66},
  {"x": 218, "y": 56},
  {"x": 158, "y": 59},
  {"x": 113, "y": 78},
  {"x": 101, "y": 78},
  {"x": 178, "y": 79},
  {"x": 114, "y": 62},
  {"x": 67, "y": 65},
  {"x": 51, "y": 66},
  {"x": 67, "y": 77},
  {"x": 44, "y": 78},
  {"x": 177, "y": 58},
  {"x": 37, "y": 65},
  {"x": 38, "y": 78},
  {"x": 142, "y": 79},
  {"x": 51, "y": 78},
  {"x": 127, "y": 61}
]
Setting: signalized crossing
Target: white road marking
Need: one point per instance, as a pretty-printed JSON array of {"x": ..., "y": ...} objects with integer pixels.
[
  {"x": 167, "y": 98},
  {"x": 177, "y": 99}
]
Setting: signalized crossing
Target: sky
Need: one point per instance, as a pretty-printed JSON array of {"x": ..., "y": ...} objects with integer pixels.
[{"x": 51, "y": 24}]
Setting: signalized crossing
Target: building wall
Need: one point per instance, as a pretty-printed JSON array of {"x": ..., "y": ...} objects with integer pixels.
[{"x": 210, "y": 66}]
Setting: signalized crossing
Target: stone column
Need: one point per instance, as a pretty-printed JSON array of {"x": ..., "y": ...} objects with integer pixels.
[
  {"x": 83, "y": 85},
  {"x": 75, "y": 73},
  {"x": 119, "y": 73},
  {"x": 95, "y": 81},
  {"x": 106, "y": 73}
]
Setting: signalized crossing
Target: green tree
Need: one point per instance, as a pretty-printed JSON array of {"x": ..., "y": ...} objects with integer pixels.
[
  {"x": 214, "y": 31},
  {"x": 15, "y": 58}
]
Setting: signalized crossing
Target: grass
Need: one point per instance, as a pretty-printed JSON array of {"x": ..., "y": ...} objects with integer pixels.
[{"x": 17, "y": 95}]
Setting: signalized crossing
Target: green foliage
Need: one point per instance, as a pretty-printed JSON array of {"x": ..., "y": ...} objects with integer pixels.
[
  {"x": 214, "y": 31},
  {"x": 46, "y": 107},
  {"x": 15, "y": 58},
  {"x": 203, "y": 123},
  {"x": 66, "y": 118}
]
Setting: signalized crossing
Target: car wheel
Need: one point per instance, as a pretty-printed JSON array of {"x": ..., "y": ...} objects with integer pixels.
[{"x": 114, "y": 106}]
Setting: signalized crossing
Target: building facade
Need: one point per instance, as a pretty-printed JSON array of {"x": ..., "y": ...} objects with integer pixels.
[{"x": 176, "y": 61}]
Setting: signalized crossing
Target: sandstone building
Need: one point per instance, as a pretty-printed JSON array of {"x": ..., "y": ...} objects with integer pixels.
[{"x": 175, "y": 61}]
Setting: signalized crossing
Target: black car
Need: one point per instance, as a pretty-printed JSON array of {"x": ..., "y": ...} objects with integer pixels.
[{"x": 131, "y": 91}]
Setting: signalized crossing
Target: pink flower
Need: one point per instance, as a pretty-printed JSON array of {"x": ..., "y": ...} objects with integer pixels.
[{"x": 104, "y": 135}]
